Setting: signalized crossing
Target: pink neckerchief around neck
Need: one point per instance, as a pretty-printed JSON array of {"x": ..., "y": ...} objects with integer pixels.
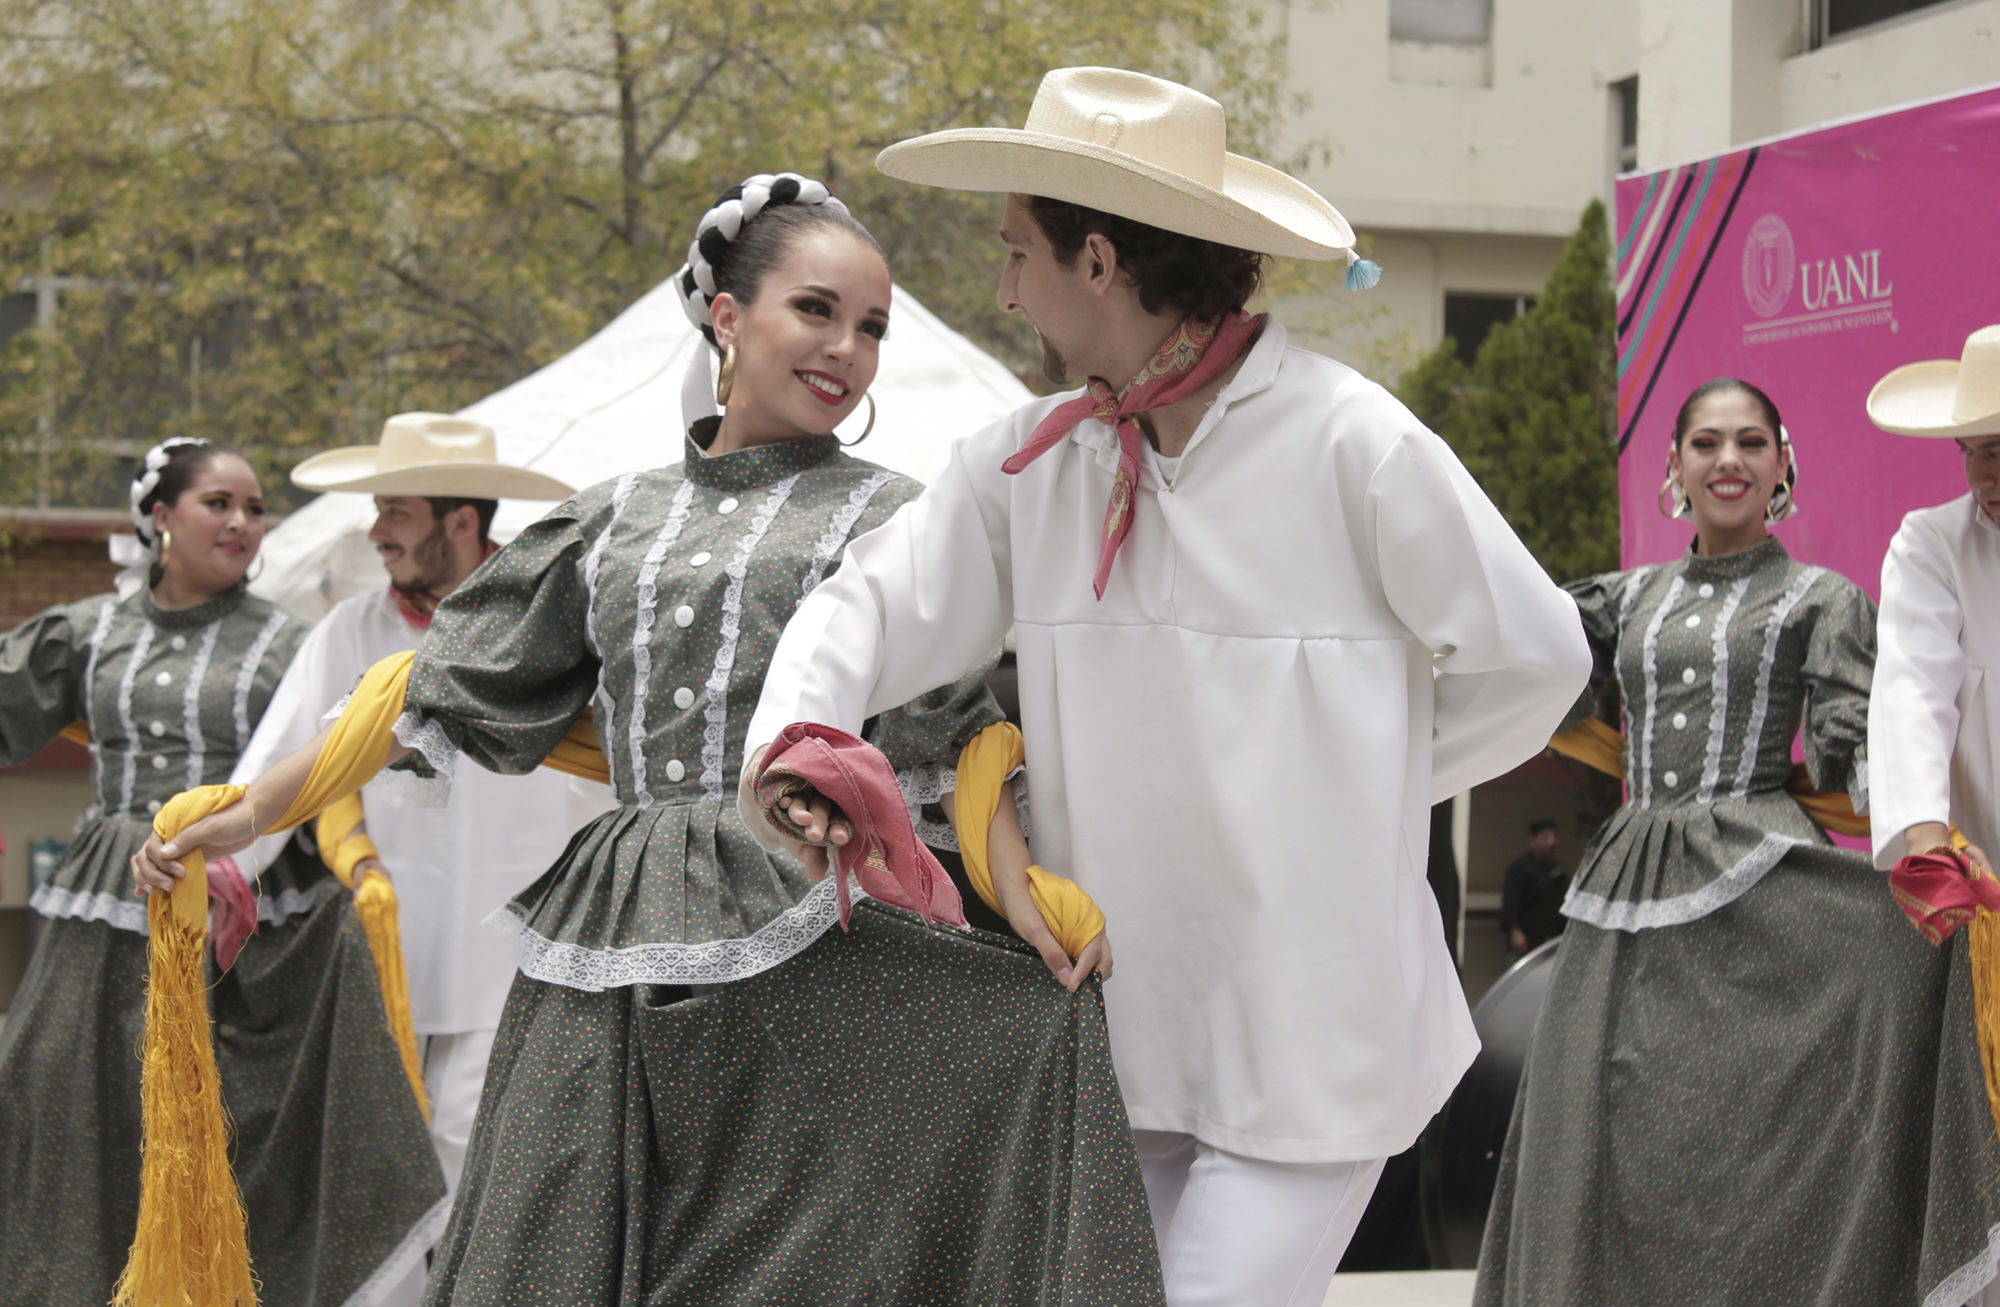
[{"x": 1194, "y": 355}]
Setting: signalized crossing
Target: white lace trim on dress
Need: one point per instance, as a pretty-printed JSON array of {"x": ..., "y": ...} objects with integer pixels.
[
  {"x": 1971, "y": 1279},
  {"x": 1650, "y": 914},
  {"x": 1760, "y": 706},
  {"x": 1718, "y": 712},
  {"x": 128, "y": 765},
  {"x": 648, "y": 605},
  {"x": 191, "y": 703},
  {"x": 715, "y": 714},
  {"x": 87, "y": 905},
  {"x": 1649, "y": 653},
  {"x": 97, "y": 635},
  {"x": 835, "y": 536},
  {"x": 408, "y": 1257},
  {"x": 711, "y": 962},
  {"x": 246, "y": 675},
  {"x": 277, "y": 909}
]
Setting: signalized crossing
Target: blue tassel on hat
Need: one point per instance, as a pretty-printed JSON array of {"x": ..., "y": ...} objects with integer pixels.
[{"x": 1362, "y": 274}]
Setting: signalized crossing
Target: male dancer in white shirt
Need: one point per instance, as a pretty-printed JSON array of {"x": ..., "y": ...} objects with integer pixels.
[
  {"x": 1934, "y": 711},
  {"x": 436, "y": 485},
  {"x": 1263, "y": 618}
]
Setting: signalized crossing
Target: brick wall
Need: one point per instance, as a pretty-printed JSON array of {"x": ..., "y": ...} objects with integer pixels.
[{"x": 50, "y": 571}]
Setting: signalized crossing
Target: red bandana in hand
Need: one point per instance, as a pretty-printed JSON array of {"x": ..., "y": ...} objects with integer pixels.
[
  {"x": 1940, "y": 891},
  {"x": 884, "y": 854},
  {"x": 1194, "y": 355}
]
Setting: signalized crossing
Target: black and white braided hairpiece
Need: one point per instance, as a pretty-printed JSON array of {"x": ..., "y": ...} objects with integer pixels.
[
  {"x": 734, "y": 210},
  {"x": 146, "y": 482}
]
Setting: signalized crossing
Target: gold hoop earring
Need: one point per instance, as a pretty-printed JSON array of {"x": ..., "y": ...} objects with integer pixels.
[
  {"x": 865, "y": 430},
  {"x": 725, "y": 376},
  {"x": 257, "y": 569},
  {"x": 166, "y": 544},
  {"x": 1672, "y": 487}
]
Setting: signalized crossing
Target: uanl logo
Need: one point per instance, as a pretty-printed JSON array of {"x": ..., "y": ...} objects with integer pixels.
[
  {"x": 1837, "y": 292},
  {"x": 1767, "y": 265}
]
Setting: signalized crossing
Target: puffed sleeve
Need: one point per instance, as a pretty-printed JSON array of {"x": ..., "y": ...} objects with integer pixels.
[
  {"x": 41, "y": 681},
  {"x": 1839, "y": 668},
  {"x": 1600, "y": 603},
  {"x": 506, "y": 665}
]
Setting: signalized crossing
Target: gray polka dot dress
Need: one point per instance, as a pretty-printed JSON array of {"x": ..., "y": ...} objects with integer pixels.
[
  {"x": 702, "y": 1090},
  {"x": 1752, "y": 1082},
  {"x": 329, "y": 1149}
]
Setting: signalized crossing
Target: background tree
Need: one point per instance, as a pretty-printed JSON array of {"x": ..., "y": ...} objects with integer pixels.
[
  {"x": 277, "y": 221},
  {"x": 1534, "y": 418}
]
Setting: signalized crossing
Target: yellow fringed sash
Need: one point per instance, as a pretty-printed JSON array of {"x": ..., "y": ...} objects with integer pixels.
[
  {"x": 1596, "y": 744},
  {"x": 342, "y": 844},
  {"x": 983, "y": 767},
  {"x": 190, "y": 1246}
]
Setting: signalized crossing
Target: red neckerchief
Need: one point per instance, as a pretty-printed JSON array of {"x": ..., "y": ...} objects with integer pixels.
[
  {"x": 1194, "y": 355},
  {"x": 417, "y": 606}
]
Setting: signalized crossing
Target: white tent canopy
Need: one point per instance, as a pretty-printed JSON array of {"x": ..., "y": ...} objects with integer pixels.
[{"x": 613, "y": 405}]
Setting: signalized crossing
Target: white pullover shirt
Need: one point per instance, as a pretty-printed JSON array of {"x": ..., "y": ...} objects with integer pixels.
[{"x": 1317, "y": 627}]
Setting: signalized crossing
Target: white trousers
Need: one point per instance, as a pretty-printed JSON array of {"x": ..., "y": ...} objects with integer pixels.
[
  {"x": 454, "y": 1075},
  {"x": 1237, "y": 1232}
]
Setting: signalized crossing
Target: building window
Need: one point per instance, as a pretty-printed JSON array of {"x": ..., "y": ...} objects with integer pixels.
[
  {"x": 1441, "y": 22},
  {"x": 1625, "y": 103},
  {"x": 1469, "y": 316},
  {"x": 1837, "y": 17}
]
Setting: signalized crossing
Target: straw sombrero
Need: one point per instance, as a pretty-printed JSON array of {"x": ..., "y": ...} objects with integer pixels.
[
  {"x": 1139, "y": 147},
  {"x": 427, "y": 454},
  {"x": 1956, "y": 398}
]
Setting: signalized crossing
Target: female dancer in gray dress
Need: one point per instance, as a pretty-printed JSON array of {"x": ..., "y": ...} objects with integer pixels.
[
  {"x": 1738, "y": 1091},
  {"x": 702, "y": 1090},
  {"x": 330, "y": 1149}
]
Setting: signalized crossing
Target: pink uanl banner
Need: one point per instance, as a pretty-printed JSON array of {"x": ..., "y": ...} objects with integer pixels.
[{"x": 1809, "y": 265}]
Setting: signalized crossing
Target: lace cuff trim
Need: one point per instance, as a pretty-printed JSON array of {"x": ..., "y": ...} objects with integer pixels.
[
  {"x": 929, "y": 782},
  {"x": 1964, "y": 1285},
  {"x": 711, "y": 962},
  {"x": 1650, "y": 914},
  {"x": 81, "y": 905}
]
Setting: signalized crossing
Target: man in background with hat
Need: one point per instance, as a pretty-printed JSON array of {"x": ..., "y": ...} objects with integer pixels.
[
  {"x": 1933, "y": 714},
  {"x": 1263, "y": 617},
  {"x": 436, "y": 482}
]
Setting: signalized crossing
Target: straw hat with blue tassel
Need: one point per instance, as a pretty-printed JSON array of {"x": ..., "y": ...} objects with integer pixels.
[{"x": 1142, "y": 148}]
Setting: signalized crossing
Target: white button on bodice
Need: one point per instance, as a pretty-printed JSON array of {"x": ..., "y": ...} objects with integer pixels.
[
  {"x": 700, "y": 559},
  {"x": 153, "y": 805},
  {"x": 1694, "y": 620},
  {"x": 683, "y": 698},
  {"x": 1687, "y": 677},
  {"x": 158, "y": 729},
  {"x": 726, "y": 507},
  {"x": 1671, "y": 779},
  {"x": 164, "y": 678},
  {"x": 1707, "y": 591},
  {"x": 675, "y": 770},
  {"x": 179, "y": 642},
  {"x": 159, "y": 762},
  {"x": 1680, "y": 721},
  {"x": 684, "y": 616}
]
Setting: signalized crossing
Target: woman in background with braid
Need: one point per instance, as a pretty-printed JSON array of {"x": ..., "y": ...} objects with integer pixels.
[
  {"x": 701, "y": 1092},
  {"x": 330, "y": 1147}
]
